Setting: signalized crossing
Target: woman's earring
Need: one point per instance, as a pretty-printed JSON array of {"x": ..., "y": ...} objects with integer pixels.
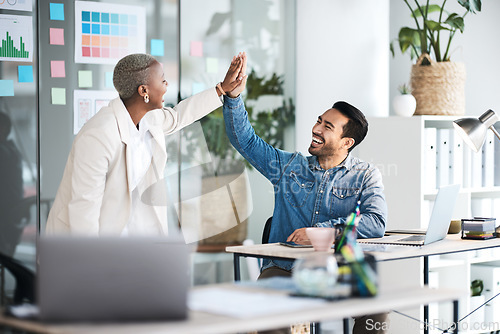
[{"x": 146, "y": 98}]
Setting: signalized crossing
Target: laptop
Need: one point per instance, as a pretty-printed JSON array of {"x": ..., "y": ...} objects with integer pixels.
[
  {"x": 112, "y": 279},
  {"x": 438, "y": 224}
]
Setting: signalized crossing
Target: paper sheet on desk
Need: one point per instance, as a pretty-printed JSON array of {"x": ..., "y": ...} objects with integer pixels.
[{"x": 246, "y": 304}]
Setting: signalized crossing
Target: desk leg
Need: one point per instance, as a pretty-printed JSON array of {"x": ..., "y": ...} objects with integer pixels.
[
  {"x": 315, "y": 328},
  {"x": 455, "y": 316},
  {"x": 426, "y": 282},
  {"x": 236, "y": 264},
  {"x": 345, "y": 322}
]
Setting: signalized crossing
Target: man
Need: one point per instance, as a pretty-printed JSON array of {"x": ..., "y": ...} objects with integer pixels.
[{"x": 319, "y": 190}]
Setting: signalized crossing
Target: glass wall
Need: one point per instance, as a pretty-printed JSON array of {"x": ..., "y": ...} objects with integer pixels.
[
  {"x": 216, "y": 189},
  {"x": 48, "y": 97},
  {"x": 18, "y": 131}
]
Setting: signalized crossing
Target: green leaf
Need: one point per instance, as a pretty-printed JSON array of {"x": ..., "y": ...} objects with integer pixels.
[
  {"x": 435, "y": 26},
  {"x": 391, "y": 47},
  {"x": 429, "y": 9},
  {"x": 467, "y": 5},
  {"x": 408, "y": 37},
  {"x": 455, "y": 21}
]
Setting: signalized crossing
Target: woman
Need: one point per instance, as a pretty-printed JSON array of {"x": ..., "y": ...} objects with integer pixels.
[{"x": 119, "y": 154}]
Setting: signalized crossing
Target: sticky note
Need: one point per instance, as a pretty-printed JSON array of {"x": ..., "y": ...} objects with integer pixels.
[
  {"x": 56, "y": 36},
  {"x": 58, "y": 96},
  {"x": 84, "y": 79},
  {"x": 198, "y": 87},
  {"x": 57, "y": 69},
  {"x": 25, "y": 73},
  {"x": 108, "y": 80},
  {"x": 196, "y": 49},
  {"x": 157, "y": 47},
  {"x": 6, "y": 87},
  {"x": 57, "y": 11},
  {"x": 212, "y": 65}
]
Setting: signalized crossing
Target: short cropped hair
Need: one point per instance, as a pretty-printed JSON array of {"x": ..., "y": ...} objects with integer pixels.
[
  {"x": 357, "y": 126},
  {"x": 130, "y": 72}
]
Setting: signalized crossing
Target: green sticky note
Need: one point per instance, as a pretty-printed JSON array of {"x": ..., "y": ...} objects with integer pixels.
[
  {"x": 58, "y": 96},
  {"x": 108, "y": 82},
  {"x": 84, "y": 79},
  {"x": 212, "y": 65}
]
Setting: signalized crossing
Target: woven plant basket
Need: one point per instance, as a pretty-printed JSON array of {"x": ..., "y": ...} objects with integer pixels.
[{"x": 439, "y": 88}]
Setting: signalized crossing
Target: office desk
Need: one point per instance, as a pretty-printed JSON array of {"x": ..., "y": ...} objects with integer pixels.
[
  {"x": 202, "y": 322},
  {"x": 451, "y": 244}
]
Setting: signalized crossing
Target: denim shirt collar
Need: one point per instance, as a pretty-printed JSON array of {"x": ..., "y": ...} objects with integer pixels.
[{"x": 314, "y": 163}]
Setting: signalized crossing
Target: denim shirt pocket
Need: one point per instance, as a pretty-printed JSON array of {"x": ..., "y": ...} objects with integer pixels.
[
  {"x": 297, "y": 188},
  {"x": 344, "y": 201}
]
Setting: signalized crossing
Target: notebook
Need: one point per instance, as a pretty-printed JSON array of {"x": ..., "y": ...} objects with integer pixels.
[
  {"x": 112, "y": 279},
  {"x": 438, "y": 224}
]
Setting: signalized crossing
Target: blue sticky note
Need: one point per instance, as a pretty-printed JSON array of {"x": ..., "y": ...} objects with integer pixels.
[
  {"x": 57, "y": 11},
  {"x": 108, "y": 79},
  {"x": 25, "y": 73},
  {"x": 96, "y": 29},
  {"x": 157, "y": 47},
  {"x": 6, "y": 87}
]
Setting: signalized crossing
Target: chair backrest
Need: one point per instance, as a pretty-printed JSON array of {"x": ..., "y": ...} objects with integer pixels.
[
  {"x": 267, "y": 230},
  {"x": 25, "y": 279}
]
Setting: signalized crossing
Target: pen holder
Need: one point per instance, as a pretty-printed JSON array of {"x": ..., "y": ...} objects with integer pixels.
[{"x": 361, "y": 275}]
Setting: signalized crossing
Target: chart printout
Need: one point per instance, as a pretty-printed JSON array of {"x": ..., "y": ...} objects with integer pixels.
[
  {"x": 16, "y": 38},
  {"x": 105, "y": 33}
]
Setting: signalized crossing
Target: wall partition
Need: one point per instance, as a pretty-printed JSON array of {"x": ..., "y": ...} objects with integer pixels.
[{"x": 56, "y": 64}]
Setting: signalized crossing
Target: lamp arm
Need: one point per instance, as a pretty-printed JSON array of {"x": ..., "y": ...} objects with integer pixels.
[{"x": 495, "y": 131}]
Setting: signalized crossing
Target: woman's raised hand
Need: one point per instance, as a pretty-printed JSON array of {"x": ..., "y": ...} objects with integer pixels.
[
  {"x": 235, "y": 80},
  {"x": 242, "y": 77}
]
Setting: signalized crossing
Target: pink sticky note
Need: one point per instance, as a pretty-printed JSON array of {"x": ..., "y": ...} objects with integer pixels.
[
  {"x": 57, "y": 69},
  {"x": 196, "y": 49},
  {"x": 56, "y": 36}
]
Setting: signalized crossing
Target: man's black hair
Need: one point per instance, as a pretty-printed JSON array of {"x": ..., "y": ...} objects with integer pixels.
[{"x": 357, "y": 126}]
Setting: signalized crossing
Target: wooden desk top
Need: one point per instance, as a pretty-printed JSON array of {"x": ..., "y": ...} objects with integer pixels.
[
  {"x": 451, "y": 244},
  {"x": 203, "y": 322}
]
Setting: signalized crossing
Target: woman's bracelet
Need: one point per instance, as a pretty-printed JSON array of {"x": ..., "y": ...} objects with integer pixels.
[{"x": 219, "y": 87}]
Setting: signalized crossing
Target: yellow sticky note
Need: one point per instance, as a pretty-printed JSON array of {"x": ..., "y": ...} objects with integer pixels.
[
  {"x": 212, "y": 65},
  {"x": 84, "y": 79},
  {"x": 58, "y": 96}
]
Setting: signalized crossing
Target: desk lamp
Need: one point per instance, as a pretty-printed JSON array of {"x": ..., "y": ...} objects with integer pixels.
[{"x": 473, "y": 130}]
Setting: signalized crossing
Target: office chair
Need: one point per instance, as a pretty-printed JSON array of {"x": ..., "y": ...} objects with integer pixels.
[
  {"x": 25, "y": 279},
  {"x": 267, "y": 230}
]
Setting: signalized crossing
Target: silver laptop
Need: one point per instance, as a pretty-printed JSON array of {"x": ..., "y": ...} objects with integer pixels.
[
  {"x": 438, "y": 224},
  {"x": 112, "y": 279}
]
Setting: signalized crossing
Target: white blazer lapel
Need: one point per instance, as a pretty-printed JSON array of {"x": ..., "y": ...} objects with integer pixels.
[{"x": 122, "y": 119}]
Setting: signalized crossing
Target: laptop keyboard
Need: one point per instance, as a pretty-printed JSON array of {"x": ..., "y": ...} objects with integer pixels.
[{"x": 414, "y": 238}]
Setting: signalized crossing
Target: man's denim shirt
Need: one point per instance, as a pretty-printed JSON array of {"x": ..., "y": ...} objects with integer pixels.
[{"x": 305, "y": 194}]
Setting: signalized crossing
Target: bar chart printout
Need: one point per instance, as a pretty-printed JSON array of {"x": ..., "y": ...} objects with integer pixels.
[{"x": 16, "y": 38}]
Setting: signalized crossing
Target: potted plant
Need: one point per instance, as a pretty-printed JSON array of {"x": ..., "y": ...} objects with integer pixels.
[
  {"x": 405, "y": 103},
  {"x": 437, "y": 83}
]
